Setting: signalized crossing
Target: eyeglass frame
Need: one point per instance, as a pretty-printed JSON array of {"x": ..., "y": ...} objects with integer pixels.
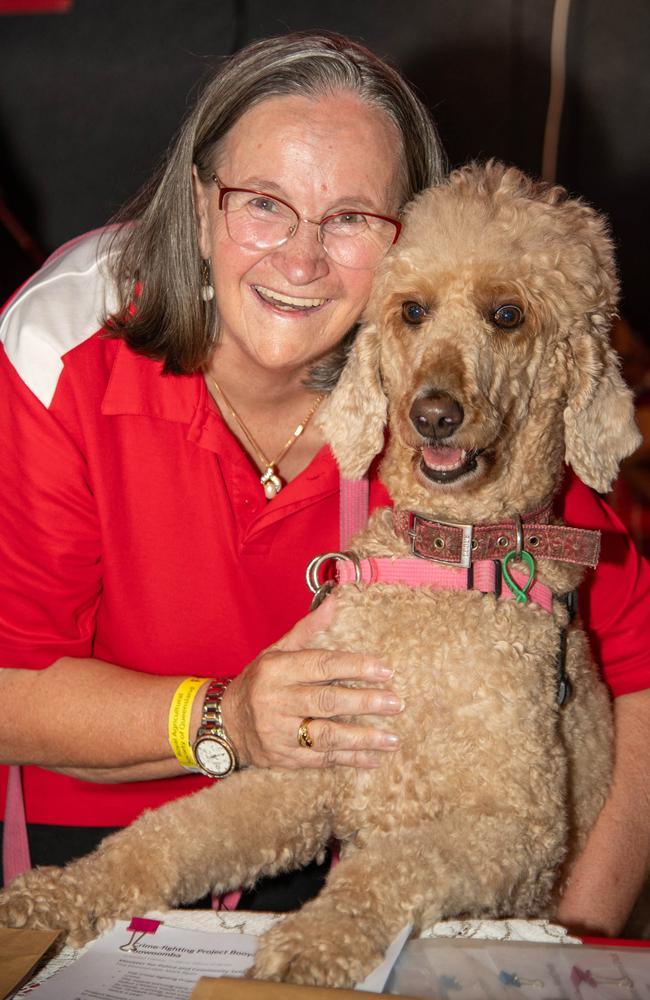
[{"x": 223, "y": 191}]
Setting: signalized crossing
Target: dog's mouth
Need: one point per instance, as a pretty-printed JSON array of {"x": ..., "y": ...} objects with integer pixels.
[{"x": 444, "y": 464}]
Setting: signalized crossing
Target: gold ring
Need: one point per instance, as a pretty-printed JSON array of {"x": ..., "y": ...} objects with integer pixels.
[{"x": 304, "y": 739}]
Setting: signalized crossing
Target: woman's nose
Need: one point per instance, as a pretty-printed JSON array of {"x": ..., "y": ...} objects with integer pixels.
[{"x": 302, "y": 258}]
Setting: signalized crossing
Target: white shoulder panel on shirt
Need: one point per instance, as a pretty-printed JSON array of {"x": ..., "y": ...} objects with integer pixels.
[{"x": 56, "y": 310}]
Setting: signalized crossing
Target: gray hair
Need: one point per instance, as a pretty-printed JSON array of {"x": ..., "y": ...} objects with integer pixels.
[{"x": 159, "y": 249}]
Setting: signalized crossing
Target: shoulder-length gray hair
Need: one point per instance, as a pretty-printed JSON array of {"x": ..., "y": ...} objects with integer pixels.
[{"x": 157, "y": 259}]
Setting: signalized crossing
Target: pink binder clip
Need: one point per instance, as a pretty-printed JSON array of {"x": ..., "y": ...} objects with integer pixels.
[{"x": 139, "y": 926}]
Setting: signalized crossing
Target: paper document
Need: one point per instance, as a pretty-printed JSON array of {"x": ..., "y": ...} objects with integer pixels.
[{"x": 165, "y": 965}]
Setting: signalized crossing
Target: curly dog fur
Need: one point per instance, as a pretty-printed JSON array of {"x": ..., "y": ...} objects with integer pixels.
[{"x": 496, "y": 786}]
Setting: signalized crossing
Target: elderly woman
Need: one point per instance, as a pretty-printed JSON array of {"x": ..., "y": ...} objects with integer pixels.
[{"x": 164, "y": 485}]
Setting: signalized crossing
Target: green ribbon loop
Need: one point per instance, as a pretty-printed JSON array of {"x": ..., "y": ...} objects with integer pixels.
[{"x": 524, "y": 557}]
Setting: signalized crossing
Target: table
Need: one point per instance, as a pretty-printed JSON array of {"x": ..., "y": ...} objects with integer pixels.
[{"x": 243, "y": 922}]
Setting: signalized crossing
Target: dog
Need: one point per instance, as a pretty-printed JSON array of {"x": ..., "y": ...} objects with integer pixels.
[{"x": 484, "y": 353}]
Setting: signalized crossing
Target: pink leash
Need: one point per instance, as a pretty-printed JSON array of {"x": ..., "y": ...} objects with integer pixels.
[{"x": 15, "y": 846}]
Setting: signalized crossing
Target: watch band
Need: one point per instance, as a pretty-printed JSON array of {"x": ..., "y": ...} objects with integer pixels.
[{"x": 211, "y": 732}]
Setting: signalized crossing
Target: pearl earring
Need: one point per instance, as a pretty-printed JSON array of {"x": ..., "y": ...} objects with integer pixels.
[{"x": 207, "y": 290}]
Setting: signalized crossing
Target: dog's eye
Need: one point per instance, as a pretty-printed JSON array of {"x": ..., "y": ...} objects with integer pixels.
[
  {"x": 413, "y": 313},
  {"x": 508, "y": 317}
]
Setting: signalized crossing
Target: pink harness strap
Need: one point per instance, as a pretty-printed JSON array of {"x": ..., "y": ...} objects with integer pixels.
[
  {"x": 422, "y": 573},
  {"x": 353, "y": 510},
  {"x": 15, "y": 846}
]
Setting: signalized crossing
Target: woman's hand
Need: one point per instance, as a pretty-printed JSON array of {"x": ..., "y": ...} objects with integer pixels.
[{"x": 264, "y": 706}]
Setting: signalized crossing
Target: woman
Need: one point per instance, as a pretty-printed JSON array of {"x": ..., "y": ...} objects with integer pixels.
[{"x": 166, "y": 485}]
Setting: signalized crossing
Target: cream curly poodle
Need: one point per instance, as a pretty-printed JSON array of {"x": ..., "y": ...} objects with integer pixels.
[{"x": 485, "y": 351}]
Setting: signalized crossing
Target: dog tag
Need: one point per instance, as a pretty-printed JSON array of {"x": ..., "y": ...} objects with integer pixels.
[{"x": 525, "y": 557}]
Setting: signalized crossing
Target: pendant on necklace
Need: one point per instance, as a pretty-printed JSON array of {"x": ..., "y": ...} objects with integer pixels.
[{"x": 271, "y": 482}]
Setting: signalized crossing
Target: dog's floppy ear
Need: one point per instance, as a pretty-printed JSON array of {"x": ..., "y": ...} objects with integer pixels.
[
  {"x": 600, "y": 430},
  {"x": 353, "y": 417}
]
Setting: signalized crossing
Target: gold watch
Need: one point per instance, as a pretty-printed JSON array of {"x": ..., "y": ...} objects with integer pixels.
[{"x": 214, "y": 752}]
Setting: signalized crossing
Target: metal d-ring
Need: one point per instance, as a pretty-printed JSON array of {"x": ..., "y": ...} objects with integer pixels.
[
  {"x": 311, "y": 573},
  {"x": 519, "y": 544}
]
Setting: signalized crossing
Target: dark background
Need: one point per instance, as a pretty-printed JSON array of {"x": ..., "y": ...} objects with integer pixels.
[{"x": 90, "y": 98}]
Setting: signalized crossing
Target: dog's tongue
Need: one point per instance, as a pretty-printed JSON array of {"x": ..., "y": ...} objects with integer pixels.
[{"x": 442, "y": 458}]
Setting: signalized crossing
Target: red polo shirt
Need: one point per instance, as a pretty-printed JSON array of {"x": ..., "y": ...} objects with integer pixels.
[{"x": 133, "y": 527}]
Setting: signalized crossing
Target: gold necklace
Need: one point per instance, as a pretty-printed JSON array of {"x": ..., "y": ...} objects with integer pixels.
[{"x": 270, "y": 478}]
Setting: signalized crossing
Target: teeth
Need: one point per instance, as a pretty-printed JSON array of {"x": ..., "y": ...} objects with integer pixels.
[
  {"x": 443, "y": 458},
  {"x": 447, "y": 467},
  {"x": 288, "y": 300}
]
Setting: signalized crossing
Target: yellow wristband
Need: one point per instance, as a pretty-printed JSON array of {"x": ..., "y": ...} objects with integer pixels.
[{"x": 180, "y": 713}]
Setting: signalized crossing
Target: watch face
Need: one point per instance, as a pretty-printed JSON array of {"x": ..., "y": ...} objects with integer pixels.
[{"x": 213, "y": 756}]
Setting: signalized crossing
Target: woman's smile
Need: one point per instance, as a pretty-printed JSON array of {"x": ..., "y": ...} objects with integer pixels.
[{"x": 289, "y": 304}]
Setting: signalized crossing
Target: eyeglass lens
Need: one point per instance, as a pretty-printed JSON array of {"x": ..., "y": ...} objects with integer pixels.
[{"x": 353, "y": 239}]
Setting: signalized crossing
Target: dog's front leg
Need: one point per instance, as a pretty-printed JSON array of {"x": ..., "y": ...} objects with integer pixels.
[
  {"x": 339, "y": 937},
  {"x": 221, "y": 838}
]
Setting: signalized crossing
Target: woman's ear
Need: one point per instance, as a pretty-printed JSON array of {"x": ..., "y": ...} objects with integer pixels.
[
  {"x": 353, "y": 417},
  {"x": 201, "y": 214}
]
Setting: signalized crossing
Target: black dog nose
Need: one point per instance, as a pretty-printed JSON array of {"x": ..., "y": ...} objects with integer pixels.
[{"x": 436, "y": 415}]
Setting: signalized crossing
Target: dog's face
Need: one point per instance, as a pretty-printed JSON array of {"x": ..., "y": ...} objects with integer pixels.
[{"x": 485, "y": 348}]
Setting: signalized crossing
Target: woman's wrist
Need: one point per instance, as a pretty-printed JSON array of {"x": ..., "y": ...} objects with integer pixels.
[
  {"x": 231, "y": 718},
  {"x": 184, "y": 719}
]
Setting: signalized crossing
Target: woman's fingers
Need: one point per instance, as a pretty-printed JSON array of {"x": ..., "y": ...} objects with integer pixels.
[
  {"x": 343, "y": 744},
  {"x": 333, "y": 743},
  {"x": 323, "y": 666},
  {"x": 329, "y": 737},
  {"x": 328, "y": 700}
]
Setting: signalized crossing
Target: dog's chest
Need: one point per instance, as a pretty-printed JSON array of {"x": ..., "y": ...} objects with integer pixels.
[
  {"x": 478, "y": 681},
  {"x": 456, "y": 647}
]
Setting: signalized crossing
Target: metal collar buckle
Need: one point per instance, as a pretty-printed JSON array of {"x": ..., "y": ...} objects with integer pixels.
[{"x": 465, "y": 560}]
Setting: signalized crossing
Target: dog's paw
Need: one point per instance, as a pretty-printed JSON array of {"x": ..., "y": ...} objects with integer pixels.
[
  {"x": 314, "y": 952},
  {"x": 29, "y": 901},
  {"x": 47, "y": 899}
]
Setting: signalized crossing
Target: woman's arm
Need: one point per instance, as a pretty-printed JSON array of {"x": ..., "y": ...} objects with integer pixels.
[
  {"x": 615, "y": 604},
  {"x": 100, "y": 722},
  {"x": 89, "y": 719},
  {"x": 615, "y": 863}
]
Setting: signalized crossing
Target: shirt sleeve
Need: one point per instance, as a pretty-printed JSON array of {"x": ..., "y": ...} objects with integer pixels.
[
  {"x": 615, "y": 597},
  {"x": 50, "y": 557}
]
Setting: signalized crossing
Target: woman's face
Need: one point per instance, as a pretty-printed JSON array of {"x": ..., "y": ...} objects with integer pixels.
[{"x": 281, "y": 309}]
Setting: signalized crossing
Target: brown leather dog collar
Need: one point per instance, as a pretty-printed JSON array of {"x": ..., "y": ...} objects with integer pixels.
[{"x": 463, "y": 544}]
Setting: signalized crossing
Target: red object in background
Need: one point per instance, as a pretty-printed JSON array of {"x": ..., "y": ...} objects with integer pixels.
[
  {"x": 35, "y": 6},
  {"x": 613, "y": 942}
]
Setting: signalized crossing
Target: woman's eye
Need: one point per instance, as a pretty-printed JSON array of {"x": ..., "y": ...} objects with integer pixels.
[
  {"x": 347, "y": 222},
  {"x": 262, "y": 204},
  {"x": 352, "y": 219},
  {"x": 508, "y": 317},
  {"x": 413, "y": 313}
]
